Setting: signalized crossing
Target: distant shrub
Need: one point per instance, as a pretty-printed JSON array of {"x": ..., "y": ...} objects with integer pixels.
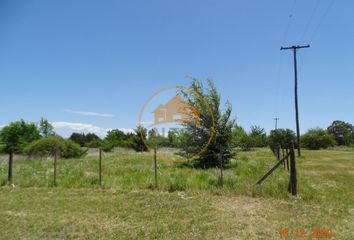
[
  {"x": 246, "y": 142},
  {"x": 258, "y": 136},
  {"x": 94, "y": 144},
  {"x": 317, "y": 138},
  {"x": 48, "y": 146},
  {"x": 342, "y": 132},
  {"x": 72, "y": 150},
  {"x": 285, "y": 138},
  {"x": 86, "y": 140}
]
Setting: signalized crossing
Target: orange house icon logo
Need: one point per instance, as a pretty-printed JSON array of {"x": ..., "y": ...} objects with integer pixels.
[{"x": 175, "y": 110}]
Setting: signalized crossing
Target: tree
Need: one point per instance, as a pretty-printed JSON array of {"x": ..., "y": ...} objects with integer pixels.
[
  {"x": 117, "y": 138},
  {"x": 317, "y": 138},
  {"x": 343, "y": 132},
  {"x": 258, "y": 136},
  {"x": 140, "y": 139},
  {"x": 241, "y": 139},
  {"x": 15, "y": 137},
  {"x": 78, "y": 138},
  {"x": 237, "y": 134},
  {"x": 284, "y": 138},
  {"x": 152, "y": 133},
  {"x": 212, "y": 124},
  {"x": 45, "y": 128},
  {"x": 90, "y": 140},
  {"x": 246, "y": 142},
  {"x": 91, "y": 137},
  {"x": 176, "y": 138}
]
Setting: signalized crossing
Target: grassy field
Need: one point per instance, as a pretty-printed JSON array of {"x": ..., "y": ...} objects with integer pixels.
[{"x": 188, "y": 204}]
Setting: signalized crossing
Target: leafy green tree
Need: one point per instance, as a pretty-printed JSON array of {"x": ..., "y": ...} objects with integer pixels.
[
  {"x": 317, "y": 138},
  {"x": 90, "y": 140},
  {"x": 90, "y": 137},
  {"x": 246, "y": 142},
  {"x": 152, "y": 133},
  {"x": 45, "y": 128},
  {"x": 285, "y": 138},
  {"x": 15, "y": 137},
  {"x": 79, "y": 138},
  {"x": 176, "y": 138},
  {"x": 237, "y": 134},
  {"x": 117, "y": 138},
  {"x": 208, "y": 121},
  {"x": 258, "y": 136},
  {"x": 140, "y": 139},
  {"x": 343, "y": 132}
]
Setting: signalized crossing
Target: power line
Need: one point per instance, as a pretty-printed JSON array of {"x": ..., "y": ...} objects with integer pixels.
[
  {"x": 322, "y": 18},
  {"x": 283, "y": 41},
  {"x": 310, "y": 20},
  {"x": 290, "y": 18}
]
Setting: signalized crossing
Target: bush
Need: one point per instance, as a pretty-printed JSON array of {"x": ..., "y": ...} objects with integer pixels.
[
  {"x": 284, "y": 138},
  {"x": 317, "y": 138},
  {"x": 258, "y": 136},
  {"x": 157, "y": 142},
  {"x": 48, "y": 146},
  {"x": 72, "y": 150},
  {"x": 94, "y": 144},
  {"x": 86, "y": 140},
  {"x": 246, "y": 143}
]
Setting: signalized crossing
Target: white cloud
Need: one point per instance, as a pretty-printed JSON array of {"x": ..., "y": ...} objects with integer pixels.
[
  {"x": 85, "y": 127},
  {"x": 126, "y": 130},
  {"x": 1, "y": 126},
  {"x": 89, "y": 113}
]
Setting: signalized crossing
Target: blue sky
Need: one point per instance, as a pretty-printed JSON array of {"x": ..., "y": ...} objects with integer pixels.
[{"x": 67, "y": 60}]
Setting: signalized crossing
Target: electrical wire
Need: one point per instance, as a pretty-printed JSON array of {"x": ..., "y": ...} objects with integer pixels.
[
  {"x": 310, "y": 20},
  {"x": 280, "y": 62},
  {"x": 322, "y": 19}
]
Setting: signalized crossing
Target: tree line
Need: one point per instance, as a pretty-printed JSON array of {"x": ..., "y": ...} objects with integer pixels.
[{"x": 217, "y": 132}]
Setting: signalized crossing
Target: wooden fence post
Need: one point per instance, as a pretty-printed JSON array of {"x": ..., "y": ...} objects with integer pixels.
[
  {"x": 221, "y": 170},
  {"x": 287, "y": 159},
  {"x": 55, "y": 167},
  {"x": 278, "y": 152},
  {"x": 293, "y": 179},
  {"x": 100, "y": 167},
  {"x": 9, "y": 177},
  {"x": 155, "y": 167}
]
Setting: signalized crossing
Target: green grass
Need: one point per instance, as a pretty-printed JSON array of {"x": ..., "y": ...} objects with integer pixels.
[{"x": 188, "y": 204}]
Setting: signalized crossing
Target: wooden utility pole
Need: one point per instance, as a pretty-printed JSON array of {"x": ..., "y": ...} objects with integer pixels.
[
  {"x": 276, "y": 122},
  {"x": 294, "y": 48}
]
